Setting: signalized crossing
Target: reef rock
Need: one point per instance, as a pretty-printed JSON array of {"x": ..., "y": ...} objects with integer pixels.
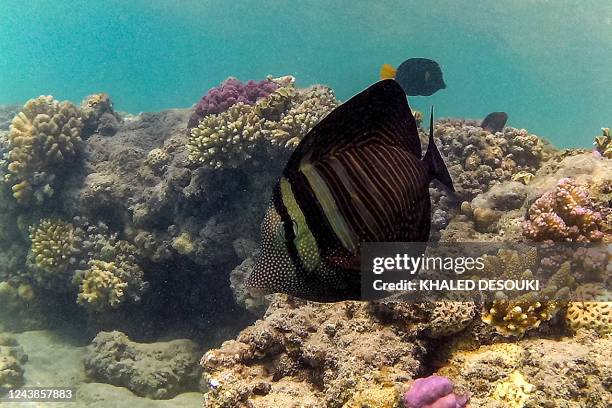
[
  {"x": 322, "y": 355},
  {"x": 573, "y": 372},
  {"x": 158, "y": 370},
  {"x": 12, "y": 359}
]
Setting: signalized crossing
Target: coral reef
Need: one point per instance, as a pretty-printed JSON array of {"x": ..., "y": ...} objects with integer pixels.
[
  {"x": 53, "y": 245},
  {"x": 574, "y": 372},
  {"x": 231, "y": 91},
  {"x": 12, "y": 359},
  {"x": 43, "y": 138},
  {"x": 320, "y": 352},
  {"x": 159, "y": 371},
  {"x": 565, "y": 214},
  {"x": 590, "y": 309},
  {"x": 603, "y": 143},
  {"x": 479, "y": 159},
  {"x": 98, "y": 115},
  {"x": 281, "y": 119}
]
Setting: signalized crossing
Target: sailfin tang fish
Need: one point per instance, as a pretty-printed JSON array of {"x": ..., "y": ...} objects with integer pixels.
[
  {"x": 356, "y": 177},
  {"x": 417, "y": 76}
]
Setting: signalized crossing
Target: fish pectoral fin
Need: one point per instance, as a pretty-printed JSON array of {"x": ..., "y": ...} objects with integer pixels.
[{"x": 387, "y": 72}]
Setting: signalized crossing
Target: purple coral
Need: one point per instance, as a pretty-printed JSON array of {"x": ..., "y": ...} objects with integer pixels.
[
  {"x": 231, "y": 91},
  {"x": 564, "y": 214},
  {"x": 433, "y": 392}
]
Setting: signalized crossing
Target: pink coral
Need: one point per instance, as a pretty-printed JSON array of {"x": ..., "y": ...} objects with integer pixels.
[
  {"x": 231, "y": 91},
  {"x": 564, "y": 214}
]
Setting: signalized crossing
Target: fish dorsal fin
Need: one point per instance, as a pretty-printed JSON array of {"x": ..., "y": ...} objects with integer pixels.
[{"x": 380, "y": 112}]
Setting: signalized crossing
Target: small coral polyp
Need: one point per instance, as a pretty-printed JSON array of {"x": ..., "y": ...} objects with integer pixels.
[
  {"x": 565, "y": 214},
  {"x": 52, "y": 245},
  {"x": 41, "y": 138}
]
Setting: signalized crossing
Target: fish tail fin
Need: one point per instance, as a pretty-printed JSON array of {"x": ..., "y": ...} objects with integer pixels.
[
  {"x": 433, "y": 160},
  {"x": 387, "y": 72}
]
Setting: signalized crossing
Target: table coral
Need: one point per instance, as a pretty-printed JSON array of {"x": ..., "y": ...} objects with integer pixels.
[
  {"x": 590, "y": 309},
  {"x": 231, "y": 91},
  {"x": 565, "y": 214},
  {"x": 280, "y": 119},
  {"x": 43, "y": 137}
]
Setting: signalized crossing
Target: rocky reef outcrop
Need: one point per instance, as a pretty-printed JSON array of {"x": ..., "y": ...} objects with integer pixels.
[
  {"x": 12, "y": 360},
  {"x": 159, "y": 370}
]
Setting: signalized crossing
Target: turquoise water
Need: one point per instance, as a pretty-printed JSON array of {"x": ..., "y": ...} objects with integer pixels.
[{"x": 547, "y": 63}]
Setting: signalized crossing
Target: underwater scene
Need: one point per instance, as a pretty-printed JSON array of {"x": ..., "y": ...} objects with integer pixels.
[{"x": 315, "y": 204}]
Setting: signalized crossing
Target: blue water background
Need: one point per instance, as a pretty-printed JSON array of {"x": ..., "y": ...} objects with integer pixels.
[{"x": 547, "y": 63}]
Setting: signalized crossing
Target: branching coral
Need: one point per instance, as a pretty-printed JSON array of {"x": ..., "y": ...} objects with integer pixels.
[
  {"x": 591, "y": 309},
  {"x": 113, "y": 275},
  {"x": 603, "y": 143},
  {"x": 281, "y": 119},
  {"x": 42, "y": 138},
  {"x": 232, "y": 91},
  {"x": 102, "y": 285},
  {"x": 565, "y": 214},
  {"x": 53, "y": 245},
  {"x": 517, "y": 316}
]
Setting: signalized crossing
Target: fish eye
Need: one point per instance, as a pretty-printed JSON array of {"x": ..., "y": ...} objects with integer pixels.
[
  {"x": 295, "y": 228},
  {"x": 280, "y": 230}
]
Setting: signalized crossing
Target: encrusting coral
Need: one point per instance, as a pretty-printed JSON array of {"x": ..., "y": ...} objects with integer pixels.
[
  {"x": 43, "y": 138},
  {"x": 281, "y": 119},
  {"x": 565, "y": 214},
  {"x": 590, "y": 309}
]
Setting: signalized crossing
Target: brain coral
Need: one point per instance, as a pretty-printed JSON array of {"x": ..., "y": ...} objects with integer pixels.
[
  {"x": 280, "y": 119},
  {"x": 42, "y": 137},
  {"x": 565, "y": 214},
  {"x": 232, "y": 91},
  {"x": 592, "y": 309}
]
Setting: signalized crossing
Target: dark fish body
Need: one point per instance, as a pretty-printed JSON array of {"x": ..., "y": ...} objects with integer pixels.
[
  {"x": 495, "y": 122},
  {"x": 356, "y": 177},
  {"x": 417, "y": 76}
]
